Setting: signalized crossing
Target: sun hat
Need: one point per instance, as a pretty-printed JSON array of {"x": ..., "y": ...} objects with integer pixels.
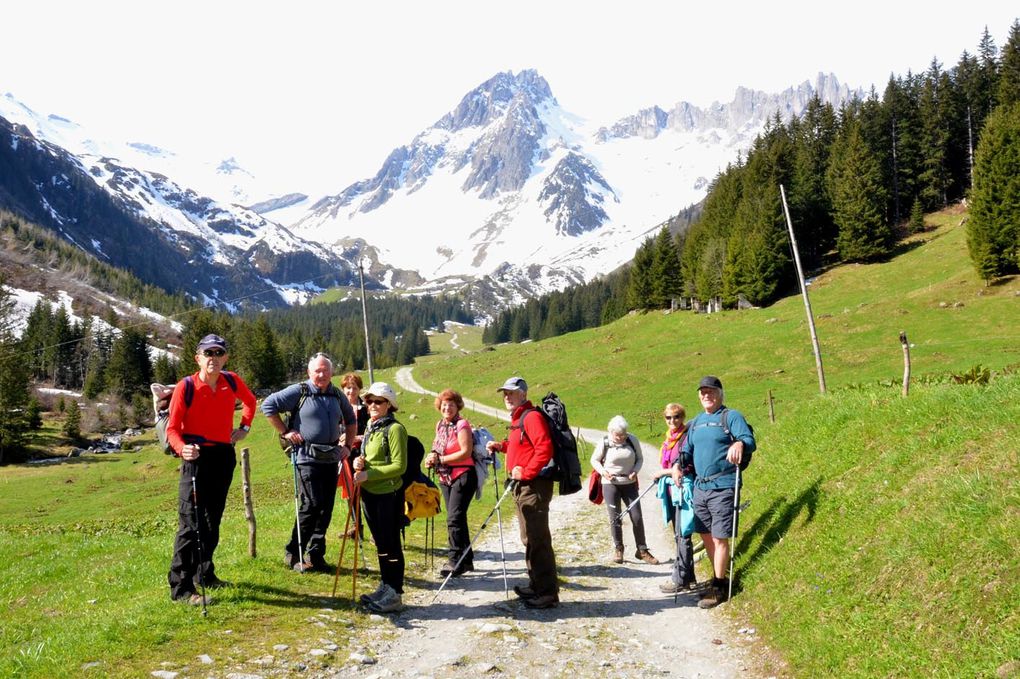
[{"x": 382, "y": 390}]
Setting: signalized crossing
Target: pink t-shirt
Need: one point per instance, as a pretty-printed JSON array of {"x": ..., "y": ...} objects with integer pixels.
[{"x": 446, "y": 443}]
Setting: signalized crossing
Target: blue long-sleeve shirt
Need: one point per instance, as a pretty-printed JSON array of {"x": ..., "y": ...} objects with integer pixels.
[{"x": 708, "y": 443}]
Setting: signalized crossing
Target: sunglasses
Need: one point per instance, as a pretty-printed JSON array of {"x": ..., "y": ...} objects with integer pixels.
[
  {"x": 375, "y": 401},
  {"x": 218, "y": 353},
  {"x": 674, "y": 417}
]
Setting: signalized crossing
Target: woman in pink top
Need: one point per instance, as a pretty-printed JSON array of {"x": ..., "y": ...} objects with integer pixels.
[{"x": 451, "y": 458}]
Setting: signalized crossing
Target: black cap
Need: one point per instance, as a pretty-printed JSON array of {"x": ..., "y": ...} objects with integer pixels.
[{"x": 710, "y": 381}]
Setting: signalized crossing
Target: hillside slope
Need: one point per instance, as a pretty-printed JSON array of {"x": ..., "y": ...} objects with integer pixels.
[{"x": 882, "y": 535}]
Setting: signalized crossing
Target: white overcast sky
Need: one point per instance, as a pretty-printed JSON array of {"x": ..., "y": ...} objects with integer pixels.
[{"x": 327, "y": 89}]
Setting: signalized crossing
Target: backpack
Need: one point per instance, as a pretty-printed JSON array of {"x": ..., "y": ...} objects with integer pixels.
[
  {"x": 745, "y": 461},
  {"x": 161, "y": 400},
  {"x": 305, "y": 393},
  {"x": 564, "y": 467},
  {"x": 482, "y": 457}
]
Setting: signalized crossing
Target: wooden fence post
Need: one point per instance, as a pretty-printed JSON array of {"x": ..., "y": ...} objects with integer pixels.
[
  {"x": 249, "y": 509},
  {"x": 906, "y": 362},
  {"x": 772, "y": 408}
]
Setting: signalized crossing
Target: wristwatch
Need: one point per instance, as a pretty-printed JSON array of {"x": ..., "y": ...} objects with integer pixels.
[{"x": 245, "y": 427}]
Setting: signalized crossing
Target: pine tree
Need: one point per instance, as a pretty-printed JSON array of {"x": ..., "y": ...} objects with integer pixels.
[
  {"x": 916, "y": 217},
  {"x": 667, "y": 282},
  {"x": 639, "y": 295},
  {"x": 858, "y": 199},
  {"x": 14, "y": 378},
  {"x": 994, "y": 224},
  {"x": 1009, "y": 73},
  {"x": 72, "y": 422},
  {"x": 129, "y": 369}
]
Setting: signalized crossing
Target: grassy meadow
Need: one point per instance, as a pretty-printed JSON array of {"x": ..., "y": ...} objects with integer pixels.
[{"x": 881, "y": 539}]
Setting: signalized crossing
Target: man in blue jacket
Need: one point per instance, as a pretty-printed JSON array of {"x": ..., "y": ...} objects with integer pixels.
[
  {"x": 719, "y": 440},
  {"x": 321, "y": 413}
]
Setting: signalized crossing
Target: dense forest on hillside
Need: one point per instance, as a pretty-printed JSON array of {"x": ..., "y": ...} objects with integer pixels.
[
  {"x": 38, "y": 244},
  {"x": 856, "y": 179}
]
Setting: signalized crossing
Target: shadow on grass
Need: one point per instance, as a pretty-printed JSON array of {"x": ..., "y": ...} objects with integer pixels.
[{"x": 775, "y": 521}]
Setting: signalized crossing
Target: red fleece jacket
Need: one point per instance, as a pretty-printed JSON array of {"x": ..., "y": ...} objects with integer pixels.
[
  {"x": 211, "y": 415},
  {"x": 531, "y": 449}
]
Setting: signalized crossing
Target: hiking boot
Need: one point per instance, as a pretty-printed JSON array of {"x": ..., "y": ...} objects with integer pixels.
[
  {"x": 646, "y": 556},
  {"x": 714, "y": 595},
  {"x": 671, "y": 587},
  {"x": 618, "y": 555},
  {"x": 289, "y": 559},
  {"x": 317, "y": 565},
  {"x": 388, "y": 602},
  {"x": 195, "y": 599},
  {"x": 524, "y": 592},
  {"x": 366, "y": 599},
  {"x": 544, "y": 601},
  {"x": 447, "y": 568}
]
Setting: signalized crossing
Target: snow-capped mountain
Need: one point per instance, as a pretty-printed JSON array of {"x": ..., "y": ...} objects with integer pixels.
[
  {"x": 149, "y": 223},
  {"x": 507, "y": 190},
  {"x": 510, "y": 185}
]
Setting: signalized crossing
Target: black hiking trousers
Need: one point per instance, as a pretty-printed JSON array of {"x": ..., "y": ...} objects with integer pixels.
[
  {"x": 384, "y": 515},
  {"x": 457, "y": 497},
  {"x": 213, "y": 472},
  {"x": 317, "y": 484}
]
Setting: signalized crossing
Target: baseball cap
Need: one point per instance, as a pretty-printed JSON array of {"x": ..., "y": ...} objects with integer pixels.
[
  {"x": 710, "y": 381},
  {"x": 514, "y": 384},
  {"x": 212, "y": 341}
]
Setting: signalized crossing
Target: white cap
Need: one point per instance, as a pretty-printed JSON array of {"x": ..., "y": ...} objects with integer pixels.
[{"x": 382, "y": 390}]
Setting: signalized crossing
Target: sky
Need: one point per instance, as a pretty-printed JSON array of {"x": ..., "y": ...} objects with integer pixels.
[{"x": 314, "y": 95}]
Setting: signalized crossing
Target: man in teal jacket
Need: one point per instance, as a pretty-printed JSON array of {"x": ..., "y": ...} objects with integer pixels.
[{"x": 719, "y": 440}]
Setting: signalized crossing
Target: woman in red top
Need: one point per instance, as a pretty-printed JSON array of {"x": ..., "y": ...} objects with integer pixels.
[{"x": 452, "y": 459}]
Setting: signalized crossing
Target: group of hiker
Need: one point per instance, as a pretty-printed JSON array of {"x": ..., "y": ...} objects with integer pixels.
[{"x": 350, "y": 437}]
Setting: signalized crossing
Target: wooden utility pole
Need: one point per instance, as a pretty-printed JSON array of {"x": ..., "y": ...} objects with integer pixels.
[
  {"x": 803, "y": 290},
  {"x": 906, "y": 362},
  {"x": 364, "y": 320},
  {"x": 249, "y": 509}
]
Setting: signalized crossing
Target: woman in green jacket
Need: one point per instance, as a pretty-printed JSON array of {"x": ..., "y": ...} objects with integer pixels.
[{"x": 379, "y": 471}]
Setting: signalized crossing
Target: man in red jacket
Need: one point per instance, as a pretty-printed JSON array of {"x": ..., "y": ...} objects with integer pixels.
[
  {"x": 202, "y": 434},
  {"x": 528, "y": 449}
]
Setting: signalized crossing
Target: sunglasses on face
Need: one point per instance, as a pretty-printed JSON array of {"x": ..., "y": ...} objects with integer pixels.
[
  {"x": 374, "y": 401},
  {"x": 218, "y": 353},
  {"x": 674, "y": 417}
]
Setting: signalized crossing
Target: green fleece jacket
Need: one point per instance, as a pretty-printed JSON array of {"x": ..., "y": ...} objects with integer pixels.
[{"x": 385, "y": 451}]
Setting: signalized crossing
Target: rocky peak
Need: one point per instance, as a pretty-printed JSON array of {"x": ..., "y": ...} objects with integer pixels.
[
  {"x": 573, "y": 195},
  {"x": 493, "y": 98}
]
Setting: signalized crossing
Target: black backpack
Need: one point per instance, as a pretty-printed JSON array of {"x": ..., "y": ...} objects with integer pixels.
[
  {"x": 745, "y": 461},
  {"x": 564, "y": 467},
  {"x": 163, "y": 415}
]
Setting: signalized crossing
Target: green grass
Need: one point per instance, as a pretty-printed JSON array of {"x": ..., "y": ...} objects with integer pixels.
[
  {"x": 881, "y": 539},
  {"x": 85, "y": 546}
]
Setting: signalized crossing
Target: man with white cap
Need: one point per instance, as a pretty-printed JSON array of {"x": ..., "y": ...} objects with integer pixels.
[
  {"x": 719, "y": 439},
  {"x": 528, "y": 449}
]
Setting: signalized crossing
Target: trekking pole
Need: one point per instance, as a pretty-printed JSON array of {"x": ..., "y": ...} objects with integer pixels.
[
  {"x": 733, "y": 541},
  {"x": 297, "y": 515},
  {"x": 499, "y": 522},
  {"x": 357, "y": 542},
  {"x": 198, "y": 540},
  {"x": 633, "y": 504},
  {"x": 344, "y": 475},
  {"x": 510, "y": 486},
  {"x": 343, "y": 550},
  {"x": 430, "y": 529}
]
